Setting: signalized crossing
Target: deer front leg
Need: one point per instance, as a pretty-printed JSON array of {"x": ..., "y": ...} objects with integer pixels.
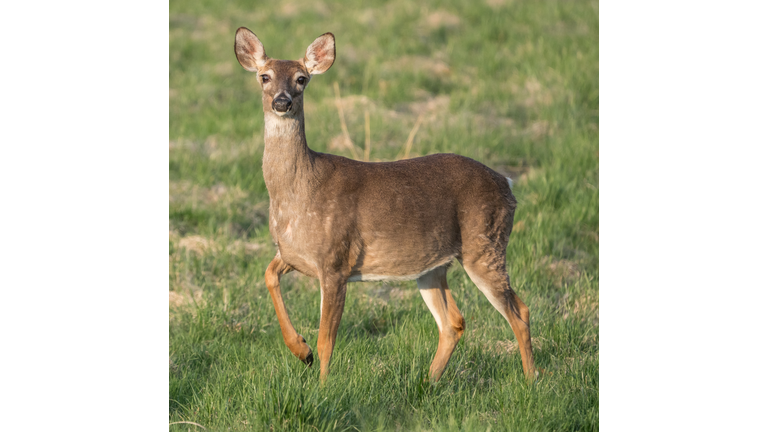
[
  {"x": 295, "y": 342},
  {"x": 333, "y": 295}
]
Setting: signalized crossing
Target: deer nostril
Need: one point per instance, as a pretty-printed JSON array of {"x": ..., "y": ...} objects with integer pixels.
[{"x": 281, "y": 104}]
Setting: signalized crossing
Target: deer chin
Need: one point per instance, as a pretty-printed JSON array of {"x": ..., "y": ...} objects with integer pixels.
[
  {"x": 282, "y": 114},
  {"x": 292, "y": 113}
]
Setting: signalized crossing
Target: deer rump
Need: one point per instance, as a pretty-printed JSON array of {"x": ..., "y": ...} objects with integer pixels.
[{"x": 391, "y": 220}]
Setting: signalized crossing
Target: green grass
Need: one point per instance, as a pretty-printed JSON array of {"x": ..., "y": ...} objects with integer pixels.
[{"x": 513, "y": 84}]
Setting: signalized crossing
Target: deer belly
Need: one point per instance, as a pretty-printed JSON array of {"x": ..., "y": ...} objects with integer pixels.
[
  {"x": 357, "y": 277},
  {"x": 398, "y": 266}
]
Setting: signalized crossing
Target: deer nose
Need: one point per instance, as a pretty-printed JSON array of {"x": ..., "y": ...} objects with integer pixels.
[{"x": 281, "y": 104}]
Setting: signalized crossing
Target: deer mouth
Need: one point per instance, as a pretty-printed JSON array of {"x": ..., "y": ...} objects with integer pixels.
[{"x": 282, "y": 114}]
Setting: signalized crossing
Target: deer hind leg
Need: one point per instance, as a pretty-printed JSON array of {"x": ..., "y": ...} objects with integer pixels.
[
  {"x": 490, "y": 275},
  {"x": 433, "y": 287},
  {"x": 295, "y": 342}
]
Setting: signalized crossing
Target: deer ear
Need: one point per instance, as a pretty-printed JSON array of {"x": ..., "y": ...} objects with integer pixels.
[
  {"x": 249, "y": 50},
  {"x": 321, "y": 54}
]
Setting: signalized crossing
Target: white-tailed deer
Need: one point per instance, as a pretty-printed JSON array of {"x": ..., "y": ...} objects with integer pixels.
[{"x": 341, "y": 220}]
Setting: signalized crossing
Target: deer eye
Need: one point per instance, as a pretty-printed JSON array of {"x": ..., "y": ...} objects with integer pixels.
[
  {"x": 301, "y": 80},
  {"x": 265, "y": 78}
]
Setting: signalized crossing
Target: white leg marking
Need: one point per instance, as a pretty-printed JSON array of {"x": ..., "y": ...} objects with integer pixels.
[
  {"x": 431, "y": 292},
  {"x": 431, "y": 298}
]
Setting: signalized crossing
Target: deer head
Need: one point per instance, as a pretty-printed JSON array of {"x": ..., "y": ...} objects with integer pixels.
[{"x": 283, "y": 81}]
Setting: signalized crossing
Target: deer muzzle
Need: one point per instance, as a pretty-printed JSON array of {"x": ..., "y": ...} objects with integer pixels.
[{"x": 282, "y": 103}]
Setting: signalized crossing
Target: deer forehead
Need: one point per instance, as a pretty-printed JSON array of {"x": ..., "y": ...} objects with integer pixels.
[{"x": 284, "y": 68}]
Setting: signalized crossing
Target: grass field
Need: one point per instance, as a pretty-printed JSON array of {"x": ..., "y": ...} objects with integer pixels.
[{"x": 513, "y": 84}]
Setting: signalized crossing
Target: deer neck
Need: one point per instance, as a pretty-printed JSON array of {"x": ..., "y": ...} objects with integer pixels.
[{"x": 287, "y": 162}]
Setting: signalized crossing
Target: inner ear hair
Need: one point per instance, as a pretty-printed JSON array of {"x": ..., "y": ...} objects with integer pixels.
[
  {"x": 249, "y": 50},
  {"x": 320, "y": 54}
]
